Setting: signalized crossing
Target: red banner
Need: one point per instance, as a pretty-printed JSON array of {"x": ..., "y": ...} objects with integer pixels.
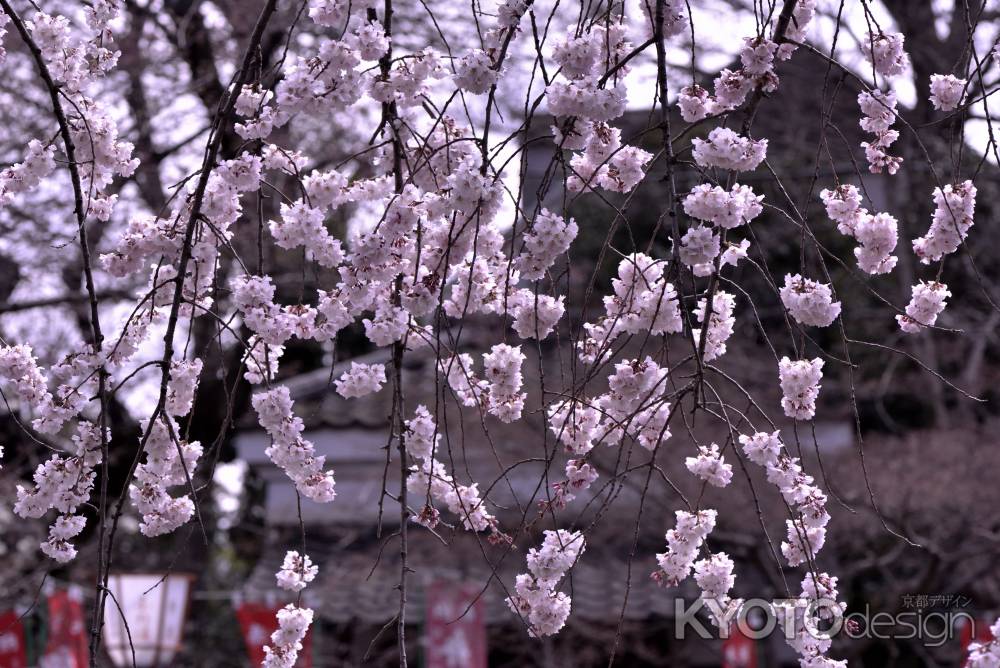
[
  {"x": 456, "y": 627},
  {"x": 13, "y": 653},
  {"x": 738, "y": 650},
  {"x": 258, "y": 621},
  {"x": 67, "y": 635}
]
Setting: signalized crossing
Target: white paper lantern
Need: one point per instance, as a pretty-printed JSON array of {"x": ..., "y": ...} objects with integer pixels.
[{"x": 148, "y": 618}]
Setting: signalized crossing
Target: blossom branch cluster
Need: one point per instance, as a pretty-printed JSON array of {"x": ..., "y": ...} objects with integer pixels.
[
  {"x": 446, "y": 246},
  {"x": 429, "y": 480},
  {"x": 535, "y": 597}
]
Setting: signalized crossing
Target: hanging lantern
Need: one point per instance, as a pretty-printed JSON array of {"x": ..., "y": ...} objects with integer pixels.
[{"x": 145, "y": 619}]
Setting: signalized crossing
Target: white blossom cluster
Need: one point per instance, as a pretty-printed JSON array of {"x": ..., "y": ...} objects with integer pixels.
[
  {"x": 297, "y": 571},
  {"x": 500, "y": 392},
  {"x": 458, "y": 372},
  {"x": 926, "y": 304},
  {"x": 578, "y": 92},
  {"x": 550, "y": 237},
  {"x": 843, "y": 206},
  {"x": 75, "y": 62},
  {"x": 802, "y": 15},
  {"x": 170, "y": 462},
  {"x": 261, "y": 360},
  {"x": 695, "y": 103},
  {"x": 58, "y": 546},
  {"x": 302, "y": 225},
  {"x": 606, "y": 163},
  {"x": 700, "y": 245},
  {"x": 714, "y": 576},
  {"x": 63, "y": 483},
  {"x": 879, "y": 111},
  {"x": 632, "y": 407},
  {"x": 726, "y": 149},
  {"x": 388, "y": 326},
  {"x": 429, "y": 481},
  {"x": 535, "y": 598},
  {"x": 807, "y": 531},
  {"x": 885, "y": 52},
  {"x": 422, "y": 436},
  {"x": 675, "y": 18},
  {"x": 502, "y": 370},
  {"x": 710, "y": 466},
  {"x": 757, "y": 58},
  {"x": 286, "y": 641},
  {"x": 579, "y": 477},
  {"x": 19, "y": 367},
  {"x": 731, "y": 209},
  {"x": 878, "y": 234},
  {"x": 182, "y": 386},
  {"x": 583, "y": 105},
  {"x": 809, "y": 302},
  {"x": 535, "y": 315},
  {"x": 806, "y": 535},
  {"x": 575, "y": 424},
  {"x": 683, "y": 543},
  {"x": 947, "y": 91},
  {"x": 4, "y": 21},
  {"x": 733, "y": 253},
  {"x": 290, "y": 452},
  {"x": 642, "y": 301},
  {"x": 954, "y": 208},
  {"x": 720, "y": 324},
  {"x": 475, "y": 72},
  {"x": 39, "y": 161},
  {"x": 800, "y": 386},
  {"x": 633, "y": 404},
  {"x": 360, "y": 380},
  {"x": 799, "y": 630}
]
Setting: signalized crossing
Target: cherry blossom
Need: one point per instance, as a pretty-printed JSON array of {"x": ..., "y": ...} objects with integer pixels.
[
  {"x": 955, "y": 206},
  {"x": 726, "y": 149},
  {"x": 694, "y": 103},
  {"x": 800, "y": 386},
  {"x": 885, "y": 52},
  {"x": 710, "y": 466},
  {"x": 297, "y": 571},
  {"x": 289, "y": 451},
  {"x": 947, "y": 91},
  {"x": 726, "y": 209},
  {"x": 809, "y": 302},
  {"x": 286, "y": 642},
  {"x": 420, "y": 231},
  {"x": 926, "y": 304},
  {"x": 535, "y": 599},
  {"x": 360, "y": 380},
  {"x": 683, "y": 543}
]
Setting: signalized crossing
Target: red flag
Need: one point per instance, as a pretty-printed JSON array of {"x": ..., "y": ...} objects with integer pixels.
[
  {"x": 13, "y": 653},
  {"x": 67, "y": 642},
  {"x": 738, "y": 650},
  {"x": 455, "y": 628},
  {"x": 258, "y": 621}
]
